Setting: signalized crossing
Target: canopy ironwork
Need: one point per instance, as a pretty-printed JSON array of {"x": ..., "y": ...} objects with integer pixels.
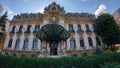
[{"x": 53, "y": 32}]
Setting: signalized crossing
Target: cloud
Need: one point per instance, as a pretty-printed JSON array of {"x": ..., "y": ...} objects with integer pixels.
[
  {"x": 100, "y": 10},
  {"x": 10, "y": 14}
]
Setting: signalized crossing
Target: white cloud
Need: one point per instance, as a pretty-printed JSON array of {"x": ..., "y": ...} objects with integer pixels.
[
  {"x": 10, "y": 14},
  {"x": 41, "y": 10},
  {"x": 100, "y": 10}
]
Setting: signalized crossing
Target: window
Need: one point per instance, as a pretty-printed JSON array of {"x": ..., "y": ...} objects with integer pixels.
[
  {"x": 17, "y": 43},
  {"x": 20, "y": 29},
  {"x": 90, "y": 41},
  {"x": 87, "y": 28},
  {"x": 79, "y": 28},
  {"x": 35, "y": 43},
  {"x": 98, "y": 41},
  {"x": 10, "y": 43},
  {"x": 53, "y": 8},
  {"x": 28, "y": 28},
  {"x": 71, "y": 28},
  {"x": 94, "y": 29},
  {"x": 37, "y": 27},
  {"x": 13, "y": 29},
  {"x": 72, "y": 43},
  {"x": 82, "y": 42},
  {"x": 26, "y": 41}
]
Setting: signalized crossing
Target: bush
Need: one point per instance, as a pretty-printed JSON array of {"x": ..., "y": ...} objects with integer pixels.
[{"x": 95, "y": 61}]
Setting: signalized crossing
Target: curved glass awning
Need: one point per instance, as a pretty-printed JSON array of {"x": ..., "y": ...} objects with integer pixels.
[{"x": 53, "y": 32}]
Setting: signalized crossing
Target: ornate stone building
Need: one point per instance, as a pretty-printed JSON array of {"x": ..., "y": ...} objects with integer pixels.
[
  {"x": 51, "y": 33},
  {"x": 116, "y": 15}
]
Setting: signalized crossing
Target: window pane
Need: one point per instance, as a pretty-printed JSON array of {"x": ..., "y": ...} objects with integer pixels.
[
  {"x": 10, "y": 43},
  {"x": 79, "y": 28},
  {"x": 71, "y": 28},
  {"x": 87, "y": 28},
  {"x": 26, "y": 43},
  {"x": 20, "y": 29},
  {"x": 17, "y": 43},
  {"x": 72, "y": 43},
  {"x": 90, "y": 41},
  {"x": 37, "y": 27},
  {"x": 13, "y": 29},
  {"x": 98, "y": 41},
  {"x": 82, "y": 42},
  {"x": 35, "y": 43}
]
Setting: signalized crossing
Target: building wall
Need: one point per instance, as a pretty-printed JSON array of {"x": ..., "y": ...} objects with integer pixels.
[{"x": 49, "y": 17}]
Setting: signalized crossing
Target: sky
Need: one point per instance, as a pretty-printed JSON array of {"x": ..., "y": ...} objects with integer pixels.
[{"x": 14, "y": 7}]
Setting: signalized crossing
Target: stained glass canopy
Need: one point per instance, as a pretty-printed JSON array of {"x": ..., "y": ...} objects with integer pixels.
[{"x": 53, "y": 32}]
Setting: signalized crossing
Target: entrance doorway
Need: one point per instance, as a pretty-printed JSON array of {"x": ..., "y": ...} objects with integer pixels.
[{"x": 53, "y": 47}]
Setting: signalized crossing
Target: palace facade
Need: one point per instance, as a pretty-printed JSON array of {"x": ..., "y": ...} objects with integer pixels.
[{"x": 51, "y": 33}]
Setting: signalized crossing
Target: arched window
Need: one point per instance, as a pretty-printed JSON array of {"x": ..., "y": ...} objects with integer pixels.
[
  {"x": 71, "y": 28},
  {"x": 90, "y": 41},
  {"x": 10, "y": 42},
  {"x": 26, "y": 41},
  {"x": 53, "y": 9},
  {"x": 17, "y": 43},
  {"x": 79, "y": 28},
  {"x": 20, "y": 29},
  {"x": 72, "y": 43},
  {"x": 37, "y": 28},
  {"x": 98, "y": 41},
  {"x": 82, "y": 42},
  {"x": 35, "y": 43}
]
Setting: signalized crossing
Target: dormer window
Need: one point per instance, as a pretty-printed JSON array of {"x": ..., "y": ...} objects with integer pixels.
[{"x": 53, "y": 9}]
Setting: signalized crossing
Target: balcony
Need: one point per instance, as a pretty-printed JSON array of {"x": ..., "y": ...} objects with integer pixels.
[
  {"x": 89, "y": 32},
  {"x": 25, "y": 49},
  {"x": 82, "y": 48},
  {"x": 35, "y": 49},
  {"x": 16, "y": 49},
  {"x": 72, "y": 48},
  {"x": 80, "y": 32},
  {"x": 27, "y": 32},
  {"x": 34, "y": 32},
  {"x": 11, "y": 33},
  {"x": 8, "y": 48},
  {"x": 19, "y": 33},
  {"x": 72, "y": 32}
]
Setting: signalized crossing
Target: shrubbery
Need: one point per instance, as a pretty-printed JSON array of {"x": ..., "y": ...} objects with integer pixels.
[{"x": 96, "y": 61}]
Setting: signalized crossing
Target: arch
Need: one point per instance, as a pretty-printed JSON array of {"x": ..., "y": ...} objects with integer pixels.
[
  {"x": 10, "y": 42},
  {"x": 82, "y": 44},
  {"x": 35, "y": 43},
  {"x": 17, "y": 43},
  {"x": 98, "y": 43},
  {"x": 90, "y": 41},
  {"x": 72, "y": 43},
  {"x": 26, "y": 41}
]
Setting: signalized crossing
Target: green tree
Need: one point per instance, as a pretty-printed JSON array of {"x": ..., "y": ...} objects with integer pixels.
[
  {"x": 108, "y": 30},
  {"x": 3, "y": 21}
]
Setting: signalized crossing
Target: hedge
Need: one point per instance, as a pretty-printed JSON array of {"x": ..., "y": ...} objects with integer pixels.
[{"x": 96, "y": 61}]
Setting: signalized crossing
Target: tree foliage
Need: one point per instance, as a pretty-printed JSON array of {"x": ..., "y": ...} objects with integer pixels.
[
  {"x": 107, "y": 29},
  {"x": 3, "y": 21}
]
